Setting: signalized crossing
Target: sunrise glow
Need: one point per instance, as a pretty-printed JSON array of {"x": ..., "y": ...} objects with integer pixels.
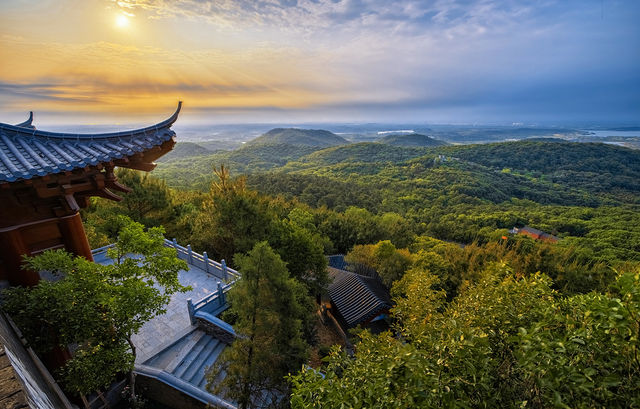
[
  {"x": 122, "y": 21},
  {"x": 363, "y": 61}
]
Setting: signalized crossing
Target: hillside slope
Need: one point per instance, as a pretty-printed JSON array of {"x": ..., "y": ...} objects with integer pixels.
[
  {"x": 363, "y": 152},
  {"x": 184, "y": 150},
  {"x": 195, "y": 172},
  {"x": 595, "y": 167},
  {"x": 295, "y": 136},
  {"x": 413, "y": 139}
]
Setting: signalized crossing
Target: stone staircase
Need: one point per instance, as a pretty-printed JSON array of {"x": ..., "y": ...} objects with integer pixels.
[{"x": 189, "y": 358}]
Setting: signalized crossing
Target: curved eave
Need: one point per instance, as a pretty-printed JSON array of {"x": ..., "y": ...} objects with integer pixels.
[
  {"x": 28, "y": 123},
  {"x": 140, "y": 159},
  {"x": 28, "y": 153},
  {"x": 61, "y": 135}
]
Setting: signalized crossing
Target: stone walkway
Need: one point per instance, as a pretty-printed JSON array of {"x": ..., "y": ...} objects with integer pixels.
[{"x": 167, "y": 328}]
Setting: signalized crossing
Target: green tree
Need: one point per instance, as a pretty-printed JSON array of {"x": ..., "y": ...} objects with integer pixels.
[
  {"x": 233, "y": 218},
  {"x": 506, "y": 341},
  {"x": 389, "y": 262},
  {"x": 98, "y": 307},
  {"x": 302, "y": 252},
  {"x": 149, "y": 201},
  {"x": 270, "y": 308},
  {"x": 396, "y": 228}
]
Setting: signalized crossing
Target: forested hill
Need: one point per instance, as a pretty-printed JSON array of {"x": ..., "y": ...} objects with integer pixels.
[
  {"x": 550, "y": 155},
  {"x": 364, "y": 152},
  {"x": 295, "y": 136},
  {"x": 196, "y": 172},
  {"x": 543, "y": 171},
  {"x": 185, "y": 150},
  {"x": 593, "y": 166},
  {"x": 414, "y": 139}
]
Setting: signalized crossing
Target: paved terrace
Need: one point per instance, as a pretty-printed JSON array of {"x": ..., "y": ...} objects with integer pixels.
[{"x": 163, "y": 330}]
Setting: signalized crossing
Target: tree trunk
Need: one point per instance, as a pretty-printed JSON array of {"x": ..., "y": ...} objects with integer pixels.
[
  {"x": 132, "y": 376},
  {"x": 246, "y": 393}
]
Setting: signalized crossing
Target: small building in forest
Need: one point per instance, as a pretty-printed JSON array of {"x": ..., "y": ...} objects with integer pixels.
[
  {"x": 534, "y": 234},
  {"x": 358, "y": 300}
]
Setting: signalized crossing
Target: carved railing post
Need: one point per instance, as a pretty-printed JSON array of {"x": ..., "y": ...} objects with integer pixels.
[
  {"x": 206, "y": 261},
  {"x": 225, "y": 275},
  {"x": 221, "y": 299},
  {"x": 192, "y": 311}
]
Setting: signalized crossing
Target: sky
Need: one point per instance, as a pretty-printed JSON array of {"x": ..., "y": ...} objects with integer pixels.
[{"x": 253, "y": 61}]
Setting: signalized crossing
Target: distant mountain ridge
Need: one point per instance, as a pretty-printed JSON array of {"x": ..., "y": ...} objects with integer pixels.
[
  {"x": 185, "y": 150},
  {"x": 296, "y": 136},
  {"x": 412, "y": 139}
]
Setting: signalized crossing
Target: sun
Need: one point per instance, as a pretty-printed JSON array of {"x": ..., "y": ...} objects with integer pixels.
[{"x": 122, "y": 21}]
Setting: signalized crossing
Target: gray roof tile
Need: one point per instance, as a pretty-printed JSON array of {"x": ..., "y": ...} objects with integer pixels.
[
  {"x": 357, "y": 298},
  {"x": 26, "y": 152}
]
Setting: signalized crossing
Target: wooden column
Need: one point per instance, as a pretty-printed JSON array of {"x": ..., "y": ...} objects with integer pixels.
[
  {"x": 12, "y": 248},
  {"x": 74, "y": 236}
]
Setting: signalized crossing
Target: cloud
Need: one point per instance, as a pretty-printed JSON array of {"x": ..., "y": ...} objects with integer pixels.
[
  {"x": 410, "y": 15},
  {"x": 103, "y": 75},
  {"x": 331, "y": 55}
]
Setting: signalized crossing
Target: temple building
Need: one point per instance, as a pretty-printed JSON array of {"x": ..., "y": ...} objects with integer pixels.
[{"x": 45, "y": 179}]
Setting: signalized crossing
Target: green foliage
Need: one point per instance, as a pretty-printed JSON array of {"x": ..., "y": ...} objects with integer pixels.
[
  {"x": 233, "y": 218},
  {"x": 605, "y": 169},
  {"x": 584, "y": 351},
  {"x": 390, "y": 263},
  {"x": 358, "y": 153},
  {"x": 412, "y": 139},
  {"x": 507, "y": 341},
  {"x": 271, "y": 308},
  {"x": 98, "y": 307},
  {"x": 149, "y": 196},
  {"x": 303, "y": 253},
  {"x": 295, "y": 136},
  {"x": 194, "y": 172}
]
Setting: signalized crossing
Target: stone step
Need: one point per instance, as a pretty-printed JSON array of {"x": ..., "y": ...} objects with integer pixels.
[
  {"x": 202, "y": 356},
  {"x": 185, "y": 350},
  {"x": 191, "y": 356},
  {"x": 199, "y": 378}
]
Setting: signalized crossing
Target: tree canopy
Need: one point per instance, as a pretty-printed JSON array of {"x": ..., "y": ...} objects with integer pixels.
[
  {"x": 97, "y": 307},
  {"x": 507, "y": 341},
  {"x": 271, "y": 309}
]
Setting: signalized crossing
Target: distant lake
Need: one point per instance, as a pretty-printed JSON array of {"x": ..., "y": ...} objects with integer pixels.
[{"x": 603, "y": 134}]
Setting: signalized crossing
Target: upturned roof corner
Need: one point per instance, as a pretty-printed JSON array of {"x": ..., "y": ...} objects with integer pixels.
[{"x": 26, "y": 152}]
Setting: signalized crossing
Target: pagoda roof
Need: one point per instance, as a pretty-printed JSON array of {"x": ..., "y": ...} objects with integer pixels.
[{"x": 26, "y": 152}]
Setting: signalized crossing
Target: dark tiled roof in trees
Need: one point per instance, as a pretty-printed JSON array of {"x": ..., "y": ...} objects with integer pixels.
[
  {"x": 337, "y": 261},
  {"x": 357, "y": 298},
  {"x": 26, "y": 152}
]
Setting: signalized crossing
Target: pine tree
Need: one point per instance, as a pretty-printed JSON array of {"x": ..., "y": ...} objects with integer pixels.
[{"x": 270, "y": 308}]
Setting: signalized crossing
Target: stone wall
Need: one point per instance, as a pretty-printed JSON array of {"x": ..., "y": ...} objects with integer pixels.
[
  {"x": 168, "y": 397},
  {"x": 216, "y": 331}
]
